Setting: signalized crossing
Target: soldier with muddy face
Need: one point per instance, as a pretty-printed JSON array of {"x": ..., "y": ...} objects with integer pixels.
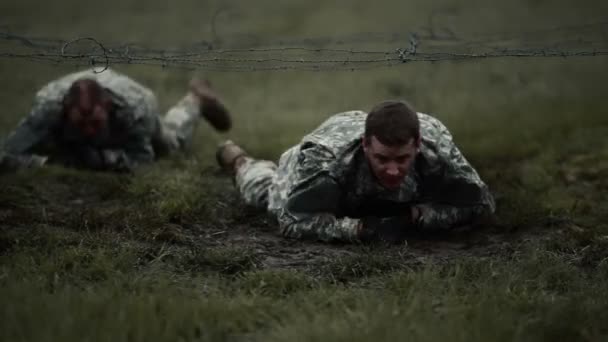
[
  {"x": 365, "y": 177},
  {"x": 106, "y": 121}
]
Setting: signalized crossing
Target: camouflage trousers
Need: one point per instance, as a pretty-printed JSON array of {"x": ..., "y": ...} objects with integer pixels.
[
  {"x": 174, "y": 130},
  {"x": 253, "y": 180}
]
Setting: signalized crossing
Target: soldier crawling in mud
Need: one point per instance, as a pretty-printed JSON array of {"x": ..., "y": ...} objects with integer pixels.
[
  {"x": 365, "y": 177},
  {"x": 106, "y": 121}
]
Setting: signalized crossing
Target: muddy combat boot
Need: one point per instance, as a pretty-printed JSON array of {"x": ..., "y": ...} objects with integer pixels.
[
  {"x": 212, "y": 108},
  {"x": 230, "y": 156}
]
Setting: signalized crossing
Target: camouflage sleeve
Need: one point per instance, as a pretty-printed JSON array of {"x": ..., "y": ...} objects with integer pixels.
[
  {"x": 12, "y": 163},
  {"x": 128, "y": 159},
  {"x": 138, "y": 149},
  {"x": 310, "y": 214},
  {"x": 459, "y": 194},
  {"x": 140, "y": 120},
  {"x": 443, "y": 217},
  {"x": 312, "y": 203},
  {"x": 36, "y": 127}
]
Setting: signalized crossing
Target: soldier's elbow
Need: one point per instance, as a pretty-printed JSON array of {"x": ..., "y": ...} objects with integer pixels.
[{"x": 288, "y": 230}]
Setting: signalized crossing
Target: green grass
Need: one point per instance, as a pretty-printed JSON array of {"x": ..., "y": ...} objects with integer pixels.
[
  {"x": 170, "y": 253},
  {"x": 83, "y": 295}
]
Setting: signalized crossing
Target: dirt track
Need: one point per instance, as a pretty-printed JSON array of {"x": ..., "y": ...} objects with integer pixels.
[{"x": 65, "y": 202}]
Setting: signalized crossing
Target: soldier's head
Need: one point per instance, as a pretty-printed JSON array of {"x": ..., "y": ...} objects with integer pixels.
[
  {"x": 86, "y": 107},
  {"x": 391, "y": 141}
]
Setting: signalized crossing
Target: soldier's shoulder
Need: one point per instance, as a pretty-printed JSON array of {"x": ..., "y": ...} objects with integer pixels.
[
  {"x": 57, "y": 87},
  {"x": 354, "y": 118},
  {"x": 338, "y": 130},
  {"x": 432, "y": 129},
  {"x": 122, "y": 84},
  {"x": 430, "y": 122},
  {"x": 134, "y": 100},
  {"x": 110, "y": 79},
  {"x": 60, "y": 85}
]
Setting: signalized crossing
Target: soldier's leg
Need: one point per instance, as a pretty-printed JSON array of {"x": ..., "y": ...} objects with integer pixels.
[
  {"x": 178, "y": 125},
  {"x": 252, "y": 177}
]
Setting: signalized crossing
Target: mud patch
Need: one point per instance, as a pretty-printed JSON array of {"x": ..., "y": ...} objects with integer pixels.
[{"x": 217, "y": 232}]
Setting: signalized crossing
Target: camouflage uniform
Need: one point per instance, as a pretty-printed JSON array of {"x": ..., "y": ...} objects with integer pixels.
[
  {"x": 323, "y": 186},
  {"x": 137, "y": 133}
]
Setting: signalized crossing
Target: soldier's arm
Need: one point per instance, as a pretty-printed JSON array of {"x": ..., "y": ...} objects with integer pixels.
[
  {"x": 36, "y": 127},
  {"x": 436, "y": 217},
  {"x": 128, "y": 159},
  {"x": 18, "y": 150},
  {"x": 138, "y": 149},
  {"x": 311, "y": 198},
  {"x": 458, "y": 195},
  {"x": 310, "y": 213},
  {"x": 139, "y": 119},
  {"x": 320, "y": 226}
]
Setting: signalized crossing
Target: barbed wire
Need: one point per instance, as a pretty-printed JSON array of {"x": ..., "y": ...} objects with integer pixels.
[{"x": 347, "y": 52}]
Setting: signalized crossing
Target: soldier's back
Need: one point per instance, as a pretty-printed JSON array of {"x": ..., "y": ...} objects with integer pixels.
[
  {"x": 338, "y": 131},
  {"x": 122, "y": 86}
]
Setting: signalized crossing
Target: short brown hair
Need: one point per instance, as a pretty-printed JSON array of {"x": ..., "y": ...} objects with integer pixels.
[
  {"x": 393, "y": 123},
  {"x": 85, "y": 93}
]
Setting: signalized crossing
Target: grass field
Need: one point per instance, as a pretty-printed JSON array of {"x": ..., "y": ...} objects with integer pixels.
[{"x": 170, "y": 253}]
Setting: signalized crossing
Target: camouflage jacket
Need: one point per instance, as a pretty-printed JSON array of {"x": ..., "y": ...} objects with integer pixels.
[
  {"x": 324, "y": 186},
  {"x": 133, "y": 123}
]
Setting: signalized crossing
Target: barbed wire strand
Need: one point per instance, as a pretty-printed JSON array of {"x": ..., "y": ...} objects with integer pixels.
[{"x": 317, "y": 54}]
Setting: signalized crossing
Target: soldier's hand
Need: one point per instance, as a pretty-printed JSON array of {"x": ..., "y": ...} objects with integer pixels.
[
  {"x": 8, "y": 163},
  {"x": 384, "y": 229},
  {"x": 11, "y": 163},
  {"x": 37, "y": 161},
  {"x": 116, "y": 160},
  {"x": 109, "y": 157},
  {"x": 85, "y": 156}
]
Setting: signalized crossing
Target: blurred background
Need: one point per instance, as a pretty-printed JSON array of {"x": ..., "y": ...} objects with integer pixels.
[
  {"x": 172, "y": 253},
  {"x": 534, "y": 127},
  {"x": 485, "y": 100}
]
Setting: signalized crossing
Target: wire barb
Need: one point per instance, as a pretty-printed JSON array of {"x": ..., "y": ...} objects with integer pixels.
[
  {"x": 246, "y": 53},
  {"x": 90, "y": 55}
]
